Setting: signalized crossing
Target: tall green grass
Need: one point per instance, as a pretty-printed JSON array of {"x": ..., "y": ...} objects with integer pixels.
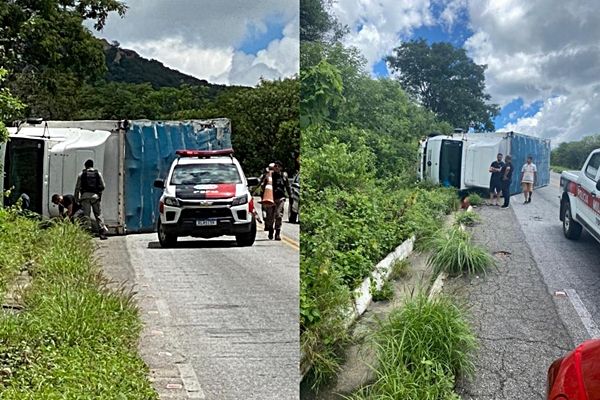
[
  {"x": 75, "y": 338},
  {"x": 452, "y": 251},
  {"x": 467, "y": 218},
  {"x": 421, "y": 349}
]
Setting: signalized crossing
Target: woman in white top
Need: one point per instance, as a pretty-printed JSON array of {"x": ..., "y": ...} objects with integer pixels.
[{"x": 528, "y": 178}]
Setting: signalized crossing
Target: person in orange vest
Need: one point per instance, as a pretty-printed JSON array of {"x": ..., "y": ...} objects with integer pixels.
[{"x": 281, "y": 187}]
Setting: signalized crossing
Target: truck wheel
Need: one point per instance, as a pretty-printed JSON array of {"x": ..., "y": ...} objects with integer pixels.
[
  {"x": 246, "y": 239},
  {"x": 293, "y": 217},
  {"x": 571, "y": 228},
  {"x": 165, "y": 239}
]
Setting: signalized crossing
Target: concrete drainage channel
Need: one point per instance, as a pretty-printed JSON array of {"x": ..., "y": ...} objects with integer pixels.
[{"x": 363, "y": 294}]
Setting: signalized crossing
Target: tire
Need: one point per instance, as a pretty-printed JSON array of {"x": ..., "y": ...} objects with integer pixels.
[
  {"x": 247, "y": 239},
  {"x": 293, "y": 217},
  {"x": 571, "y": 228},
  {"x": 165, "y": 239}
]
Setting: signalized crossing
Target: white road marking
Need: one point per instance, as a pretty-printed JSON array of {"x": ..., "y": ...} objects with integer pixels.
[
  {"x": 190, "y": 381},
  {"x": 584, "y": 314}
]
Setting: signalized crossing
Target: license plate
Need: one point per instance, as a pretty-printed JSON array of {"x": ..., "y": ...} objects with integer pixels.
[{"x": 206, "y": 222}]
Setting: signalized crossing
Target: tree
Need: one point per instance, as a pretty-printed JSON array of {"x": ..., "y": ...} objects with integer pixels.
[
  {"x": 10, "y": 107},
  {"x": 446, "y": 81},
  {"x": 45, "y": 45},
  {"x": 573, "y": 154},
  {"x": 316, "y": 23}
]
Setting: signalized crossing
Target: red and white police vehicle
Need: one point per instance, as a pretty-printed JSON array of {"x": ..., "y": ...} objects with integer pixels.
[
  {"x": 580, "y": 199},
  {"x": 206, "y": 195}
]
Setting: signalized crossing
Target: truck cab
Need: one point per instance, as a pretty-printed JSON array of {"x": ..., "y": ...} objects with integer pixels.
[{"x": 580, "y": 199}]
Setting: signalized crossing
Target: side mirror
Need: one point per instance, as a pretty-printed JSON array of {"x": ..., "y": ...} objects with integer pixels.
[
  {"x": 159, "y": 183},
  {"x": 598, "y": 185},
  {"x": 253, "y": 182}
]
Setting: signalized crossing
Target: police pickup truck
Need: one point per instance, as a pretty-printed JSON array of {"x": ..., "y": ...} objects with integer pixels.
[
  {"x": 580, "y": 199},
  {"x": 206, "y": 195}
]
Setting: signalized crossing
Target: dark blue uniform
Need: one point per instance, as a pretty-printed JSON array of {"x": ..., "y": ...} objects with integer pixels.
[{"x": 507, "y": 171}]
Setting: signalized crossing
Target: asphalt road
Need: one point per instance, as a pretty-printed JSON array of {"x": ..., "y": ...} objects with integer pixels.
[
  {"x": 536, "y": 306},
  {"x": 566, "y": 265},
  {"x": 220, "y": 321}
]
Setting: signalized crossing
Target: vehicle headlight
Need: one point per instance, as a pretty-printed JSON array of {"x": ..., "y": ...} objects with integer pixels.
[
  {"x": 171, "y": 201},
  {"x": 238, "y": 201}
]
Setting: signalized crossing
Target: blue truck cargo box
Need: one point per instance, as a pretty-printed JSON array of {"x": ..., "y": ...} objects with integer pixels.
[
  {"x": 521, "y": 147},
  {"x": 150, "y": 148}
]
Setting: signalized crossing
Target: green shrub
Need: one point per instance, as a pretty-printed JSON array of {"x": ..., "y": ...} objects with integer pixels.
[
  {"x": 467, "y": 218},
  {"x": 421, "y": 348},
  {"x": 452, "y": 252},
  {"x": 475, "y": 199},
  {"x": 385, "y": 293},
  {"x": 399, "y": 269}
]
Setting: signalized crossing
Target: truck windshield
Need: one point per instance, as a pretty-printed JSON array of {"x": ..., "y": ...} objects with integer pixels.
[
  {"x": 201, "y": 174},
  {"x": 24, "y": 171},
  {"x": 451, "y": 163}
]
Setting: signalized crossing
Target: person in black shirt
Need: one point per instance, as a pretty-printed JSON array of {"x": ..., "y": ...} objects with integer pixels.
[
  {"x": 506, "y": 173},
  {"x": 496, "y": 179},
  {"x": 67, "y": 206}
]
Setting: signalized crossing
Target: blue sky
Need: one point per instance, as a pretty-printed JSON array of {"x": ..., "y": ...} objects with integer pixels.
[
  {"x": 543, "y": 56},
  {"x": 256, "y": 39}
]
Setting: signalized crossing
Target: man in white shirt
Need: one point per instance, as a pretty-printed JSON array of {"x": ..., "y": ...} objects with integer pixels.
[{"x": 528, "y": 178}]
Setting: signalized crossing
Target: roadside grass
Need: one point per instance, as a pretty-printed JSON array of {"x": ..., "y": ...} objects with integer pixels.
[
  {"x": 385, "y": 293},
  {"x": 75, "y": 338},
  {"x": 452, "y": 251},
  {"x": 421, "y": 349},
  {"x": 399, "y": 269},
  {"x": 17, "y": 244},
  {"x": 467, "y": 218}
]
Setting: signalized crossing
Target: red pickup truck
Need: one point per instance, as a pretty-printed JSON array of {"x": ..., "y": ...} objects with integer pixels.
[{"x": 580, "y": 199}]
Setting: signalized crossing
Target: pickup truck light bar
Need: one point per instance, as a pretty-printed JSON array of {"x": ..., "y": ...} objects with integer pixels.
[{"x": 204, "y": 153}]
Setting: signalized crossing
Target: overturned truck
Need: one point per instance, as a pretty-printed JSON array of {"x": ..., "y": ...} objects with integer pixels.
[{"x": 45, "y": 157}]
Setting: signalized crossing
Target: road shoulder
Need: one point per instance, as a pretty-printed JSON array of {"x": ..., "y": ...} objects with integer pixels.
[{"x": 512, "y": 314}]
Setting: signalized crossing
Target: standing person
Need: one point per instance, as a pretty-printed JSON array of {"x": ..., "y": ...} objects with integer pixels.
[
  {"x": 281, "y": 186},
  {"x": 67, "y": 206},
  {"x": 506, "y": 173},
  {"x": 496, "y": 179},
  {"x": 88, "y": 191},
  {"x": 528, "y": 178}
]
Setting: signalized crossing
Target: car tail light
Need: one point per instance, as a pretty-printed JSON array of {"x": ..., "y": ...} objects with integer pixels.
[
  {"x": 161, "y": 207},
  {"x": 552, "y": 374},
  {"x": 251, "y": 206}
]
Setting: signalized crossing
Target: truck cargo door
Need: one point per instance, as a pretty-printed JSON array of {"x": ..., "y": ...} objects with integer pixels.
[
  {"x": 451, "y": 163},
  {"x": 24, "y": 170}
]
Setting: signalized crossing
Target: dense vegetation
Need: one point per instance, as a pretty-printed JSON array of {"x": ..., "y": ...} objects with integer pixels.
[
  {"x": 572, "y": 155},
  {"x": 73, "y": 338},
  {"x": 360, "y": 138}
]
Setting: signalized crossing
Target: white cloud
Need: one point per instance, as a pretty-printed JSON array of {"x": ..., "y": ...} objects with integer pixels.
[
  {"x": 202, "y": 37},
  {"x": 377, "y": 25},
  {"x": 544, "y": 50}
]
